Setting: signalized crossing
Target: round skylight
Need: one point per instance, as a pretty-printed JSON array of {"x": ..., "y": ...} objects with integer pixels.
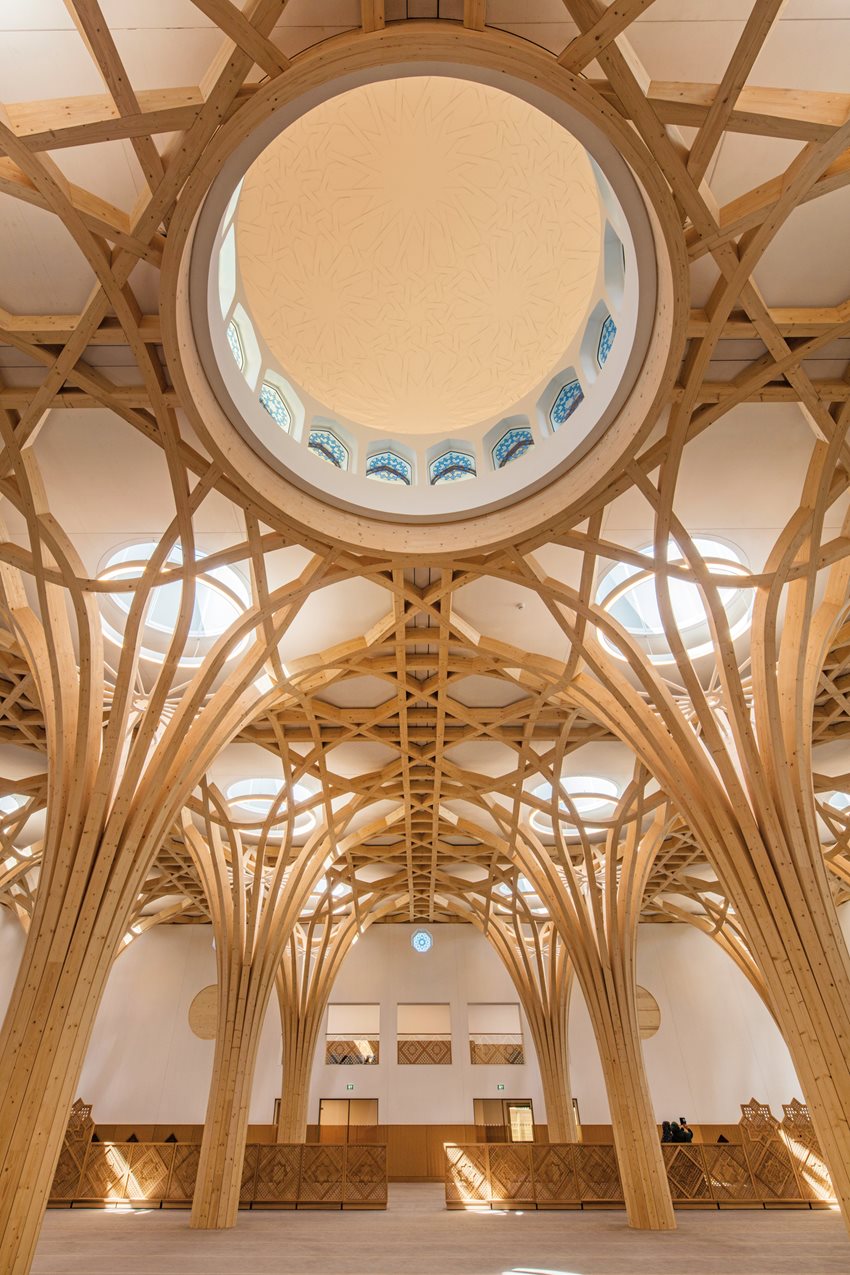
[
  {"x": 257, "y": 797},
  {"x": 454, "y": 332},
  {"x": 839, "y": 801},
  {"x": 591, "y": 796},
  {"x": 629, "y": 595},
  {"x": 221, "y": 596}
]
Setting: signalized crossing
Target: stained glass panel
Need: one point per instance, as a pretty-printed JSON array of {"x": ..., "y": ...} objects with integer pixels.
[{"x": 513, "y": 444}]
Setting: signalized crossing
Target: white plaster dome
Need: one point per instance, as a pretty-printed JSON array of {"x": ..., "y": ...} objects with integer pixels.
[{"x": 422, "y": 297}]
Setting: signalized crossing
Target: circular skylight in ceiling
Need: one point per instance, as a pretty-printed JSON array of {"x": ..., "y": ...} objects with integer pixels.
[
  {"x": 221, "y": 595},
  {"x": 629, "y": 595},
  {"x": 255, "y": 798},
  {"x": 421, "y": 298},
  {"x": 592, "y": 797}
]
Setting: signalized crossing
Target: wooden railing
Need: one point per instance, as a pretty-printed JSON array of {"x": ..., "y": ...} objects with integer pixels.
[
  {"x": 771, "y": 1164},
  {"x": 275, "y": 1176}
]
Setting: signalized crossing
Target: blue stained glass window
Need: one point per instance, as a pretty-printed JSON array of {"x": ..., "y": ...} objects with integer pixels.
[
  {"x": 452, "y": 467},
  {"x": 234, "y": 340},
  {"x": 387, "y": 467},
  {"x": 326, "y": 446},
  {"x": 606, "y": 340},
  {"x": 569, "y": 397},
  {"x": 513, "y": 444},
  {"x": 275, "y": 404}
]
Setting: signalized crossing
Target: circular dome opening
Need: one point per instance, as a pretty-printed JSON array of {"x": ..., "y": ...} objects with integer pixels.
[
  {"x": 221, "y": 596},
  {"x": 591, "y": 796},
  {"x": 629, "y": 595},
  {"x": 257, "y": 797},
  {"x": 420, "y": 297}
]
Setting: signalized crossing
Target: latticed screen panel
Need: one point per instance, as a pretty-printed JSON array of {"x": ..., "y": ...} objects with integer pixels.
[
  {"x": 497, "y": 1051},
  {"x": 106, "y": 1170},
  {"x": 686, "y": 1173},
  {"x": 554, "y": 1172},
  {"x": 184, "y": 1172},
  {"x": 728, "y": 1173},
  {"x": 322, "y": 1172},
  {"x": 66, "y": 1180},
  {"x": 365, "y": 1175},
  {"x": 249, "y": 1175},
  {"x": 278, "y": 1174},
  {"x": 467, "y": 1175},
  {"x": 597, "y": 1173},
  {"x": 510, "y": 1172},
  {"x": 345, "y": 1052},
  {"x": 419, "y": 1052},
  {"x": 150, "y": 1170}
]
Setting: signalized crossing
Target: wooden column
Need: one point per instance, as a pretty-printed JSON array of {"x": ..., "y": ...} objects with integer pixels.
[
  {"x": 594, "y": 890},
  {"x": 255, "y": 889},
  {"x": 542, "y": 973}
]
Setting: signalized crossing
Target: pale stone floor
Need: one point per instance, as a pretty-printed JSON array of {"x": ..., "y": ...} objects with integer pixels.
[{"x": 418, "y": 1236}]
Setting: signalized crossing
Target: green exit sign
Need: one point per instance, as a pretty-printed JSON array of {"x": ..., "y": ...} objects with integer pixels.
[
  {"x": 352, "y": 1086},
  {"x": 499, "y": 1087}
]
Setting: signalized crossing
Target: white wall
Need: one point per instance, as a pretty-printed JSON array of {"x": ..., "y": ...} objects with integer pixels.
[
  {"x": 461, "y": 968},
  {"x": 716, "y": 1047}
]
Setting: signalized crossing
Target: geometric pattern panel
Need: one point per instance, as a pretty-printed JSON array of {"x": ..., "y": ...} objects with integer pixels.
[
  {"x": 321, "y": 1175},
  {"x": 797, "y": 1123},
  {"x": 105, "y": 1171},
  {"x": 184, "y": 1171},
  {"x": 351, "y": 1052},
  {"x": 597, "y": 1173},
  {"x": 728, "y": 1173},
  {"x": 66, "y": 1180},
  {"x": 150, "y": 1169},
  {"x": 365, "y": 1174},
  {"x": 417, "y": 1053},
  {"x": 80, "y": 1124},
  {"x": 496, "y": 1053},
  {"x": 554, "y": 1174},
  {"x": 466, "y": 1175},
  {"x": 757, "y": 1121},
  {"x": 278, "y": 1172},
  {"x": 809, "y": 1165},
  {"x": 772, "y": 1170},
  {"x": 510, "y": 1172},
  {"x": 686, "y": 1172},
  {"x": 249, "y": 1175}
]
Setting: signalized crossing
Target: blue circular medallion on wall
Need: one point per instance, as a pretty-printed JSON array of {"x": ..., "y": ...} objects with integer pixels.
[{"x": 421, "y": 941}]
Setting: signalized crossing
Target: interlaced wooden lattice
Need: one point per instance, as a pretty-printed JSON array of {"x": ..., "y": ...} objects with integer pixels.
[{"x": 423, "y": 716}]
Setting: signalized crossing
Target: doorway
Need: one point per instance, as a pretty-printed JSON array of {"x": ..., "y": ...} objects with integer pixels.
[
  {"x": 348, "y": 1120},
  {"x": 504, "y": 1119}
]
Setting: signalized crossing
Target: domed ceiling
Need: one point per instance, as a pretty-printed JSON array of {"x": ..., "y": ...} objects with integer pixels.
[{"x": 418, "y": 253}]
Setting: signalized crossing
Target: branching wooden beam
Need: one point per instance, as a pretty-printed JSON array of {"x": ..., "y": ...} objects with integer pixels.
[
  {"x": 581, "y": 51},
  {"x": 98, "y": 215},
  {"x": 96, "y": 34},
  {"x": 756, "y": 31},
  {"x": 81, "y": 121},
  {"x": 56, "y": 329},
  {"x": 235, "y": 25}
]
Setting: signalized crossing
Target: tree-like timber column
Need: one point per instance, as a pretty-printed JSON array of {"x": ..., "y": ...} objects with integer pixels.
[
  {"x": 255, "y": 889},
  {"x": 542, "y": 973},
  {"x": 97, "y": 851},
  {"x": 739, "y": 766},
  {"x": 594, "y": 890},
  {"x": 311, "y": 960}
]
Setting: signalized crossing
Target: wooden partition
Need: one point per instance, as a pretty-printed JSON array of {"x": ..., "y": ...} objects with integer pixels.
[
  {"x": 275, "y": 1175},
  {"x": 768, "y": 1165}
]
